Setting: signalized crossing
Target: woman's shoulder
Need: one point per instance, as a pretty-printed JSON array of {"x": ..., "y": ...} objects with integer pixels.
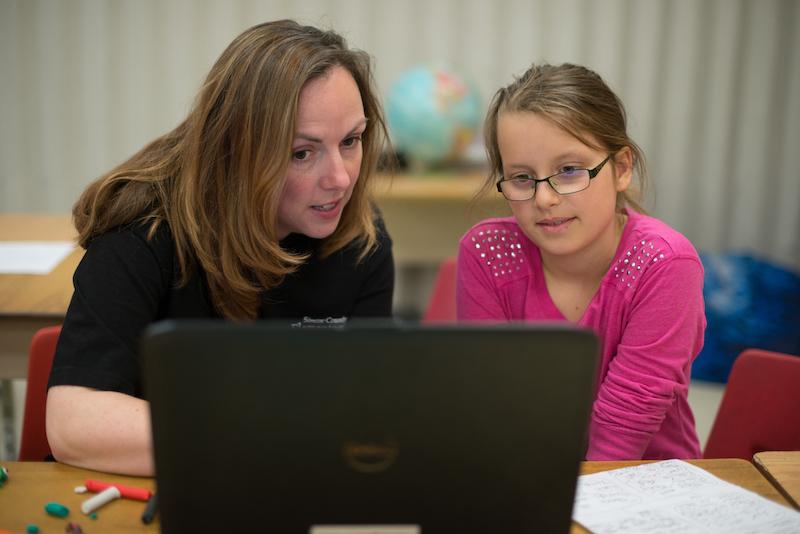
[
  {"x": 133, "y": 239},
  {"x": 382, "y": 234}
]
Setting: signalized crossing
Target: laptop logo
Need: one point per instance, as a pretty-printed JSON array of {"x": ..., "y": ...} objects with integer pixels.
[{"x": 370, "y": 457}]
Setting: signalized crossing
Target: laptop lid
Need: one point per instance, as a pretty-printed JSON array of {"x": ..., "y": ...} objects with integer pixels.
[{"x": 268, "y": 428}]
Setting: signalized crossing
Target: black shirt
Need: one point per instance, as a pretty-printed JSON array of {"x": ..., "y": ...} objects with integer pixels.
[{"x": 125, "y": 282}]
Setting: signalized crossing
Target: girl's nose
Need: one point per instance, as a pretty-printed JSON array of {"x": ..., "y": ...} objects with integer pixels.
[{"x": 545, "y": 196}]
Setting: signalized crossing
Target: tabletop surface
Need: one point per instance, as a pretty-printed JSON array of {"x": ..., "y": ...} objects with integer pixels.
[
  {"x": 782, "y": 468},
  {"x": 25, "y": 295},
  {"x": 31, "y": 485}
]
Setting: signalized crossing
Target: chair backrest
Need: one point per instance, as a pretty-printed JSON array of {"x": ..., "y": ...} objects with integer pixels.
[
  {"x": 33, "y": 443},
  {"x": 442, "y": 304},
  {"x": 760, "y": 409}
]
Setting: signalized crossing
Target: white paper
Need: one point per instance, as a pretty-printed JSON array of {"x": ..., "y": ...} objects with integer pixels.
[
  {"x": 32, "y": 257},
  {"x": 675, "y": 497}
]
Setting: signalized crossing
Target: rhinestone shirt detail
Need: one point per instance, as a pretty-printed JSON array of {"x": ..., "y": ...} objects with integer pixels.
[
  {"x": 500, "y": 250},
  {"x": 628, "y": 268}
]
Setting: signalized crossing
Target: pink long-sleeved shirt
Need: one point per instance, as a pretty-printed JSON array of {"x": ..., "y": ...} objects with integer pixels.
[{"x": 648, "y": 313}]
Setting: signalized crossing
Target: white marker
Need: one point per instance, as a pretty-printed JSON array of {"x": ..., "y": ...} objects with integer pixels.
[{"x": 105, "y": 496}]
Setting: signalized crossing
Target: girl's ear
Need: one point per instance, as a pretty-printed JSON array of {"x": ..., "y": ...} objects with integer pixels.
[{"x": 623, "y": 168}]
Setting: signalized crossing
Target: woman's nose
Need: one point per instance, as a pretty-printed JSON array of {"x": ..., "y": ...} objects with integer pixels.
[{"x": 336, "y": 175}]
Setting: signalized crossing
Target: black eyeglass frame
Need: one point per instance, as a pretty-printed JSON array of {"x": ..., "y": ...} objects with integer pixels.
[{"x": 592, "y": 173}]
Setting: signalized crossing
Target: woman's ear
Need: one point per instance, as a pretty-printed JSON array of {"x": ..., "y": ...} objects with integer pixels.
[{"x": 623, "y": 168}]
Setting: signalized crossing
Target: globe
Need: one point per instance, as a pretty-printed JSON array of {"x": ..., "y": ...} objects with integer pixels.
[{"x": 433, "y": 114}]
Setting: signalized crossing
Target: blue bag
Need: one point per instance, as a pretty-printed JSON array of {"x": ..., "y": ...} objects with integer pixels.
[{"x": 750, "y": 303}]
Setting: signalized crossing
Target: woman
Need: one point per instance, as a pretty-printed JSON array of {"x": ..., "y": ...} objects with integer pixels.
[{"x": 256, "y": 206}]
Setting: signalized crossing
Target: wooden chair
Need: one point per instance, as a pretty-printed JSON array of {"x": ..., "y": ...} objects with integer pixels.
[
  {"x": 760, "y": 409},
  {"x": 33, "y": 444}
]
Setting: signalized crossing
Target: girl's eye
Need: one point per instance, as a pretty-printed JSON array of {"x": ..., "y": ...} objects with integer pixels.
[
  {"x": 570, "y": 171},
  {"x": 300, "y": 155},
  {"x": 521, "y": 181}
]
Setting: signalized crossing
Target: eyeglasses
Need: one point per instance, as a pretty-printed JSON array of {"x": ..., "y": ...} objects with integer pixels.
[{"x": 572, "y": 180}]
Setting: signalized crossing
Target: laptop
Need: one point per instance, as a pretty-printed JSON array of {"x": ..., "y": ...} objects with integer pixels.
[{"x": 367, "y": 428}]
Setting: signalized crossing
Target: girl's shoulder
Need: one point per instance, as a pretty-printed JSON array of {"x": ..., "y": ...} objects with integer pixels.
[
  {"x": 499, "y": 248},
  {"x": 497, "y": 229},
  {"x": 655, "y": 237},
  {"x": 647, "y": 247},
  {"x": 495, "y": 238}
]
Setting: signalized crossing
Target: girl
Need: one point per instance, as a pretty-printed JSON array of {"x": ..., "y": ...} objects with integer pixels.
[
  {"x": 256, "y": 206},
  {"x": 579, "y": 248}
]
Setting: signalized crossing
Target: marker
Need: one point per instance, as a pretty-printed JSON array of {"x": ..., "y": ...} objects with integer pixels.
[
  {"x": 149, "y": 510},
  {"x": 127, "y": 492},
  {"x": 93, "y": 503}
]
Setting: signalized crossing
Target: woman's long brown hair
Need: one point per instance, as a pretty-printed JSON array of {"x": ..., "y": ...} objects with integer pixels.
[{"x": 217, "y": 178}]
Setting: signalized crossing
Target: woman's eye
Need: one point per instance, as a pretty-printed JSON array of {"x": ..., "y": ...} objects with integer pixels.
[
  {"x": 351, "y": 141},
  {"x": 569, "y": 169},
  {"x": 300, "y": 155}
]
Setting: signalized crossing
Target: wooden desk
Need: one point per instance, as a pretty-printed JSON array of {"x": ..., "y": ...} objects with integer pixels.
[
  {"x": 426, "y": 215},
  {"x": 29, "y": 302},
  {"x": 782, "y": 468},
  {"x": 32, "y": 484},
  {"x": 736, "y": 471}
]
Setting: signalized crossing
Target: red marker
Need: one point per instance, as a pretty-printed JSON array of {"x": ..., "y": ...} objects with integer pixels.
[{"x": 127, "y": 492}]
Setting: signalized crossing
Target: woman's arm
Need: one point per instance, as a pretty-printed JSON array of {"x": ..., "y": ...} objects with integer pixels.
[
  {"x": 94, "y": 418},
  {"x": 100, "y": 430}
]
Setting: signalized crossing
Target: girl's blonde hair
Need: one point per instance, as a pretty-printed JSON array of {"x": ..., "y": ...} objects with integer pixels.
[
  {"x": 217, "y": 178},
  {"x": 577, "y": 100}
]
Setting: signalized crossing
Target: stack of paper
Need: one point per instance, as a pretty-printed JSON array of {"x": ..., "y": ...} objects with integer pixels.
[{"x": 675, "y": 497}]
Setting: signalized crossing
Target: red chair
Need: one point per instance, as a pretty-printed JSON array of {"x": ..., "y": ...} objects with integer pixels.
[
  {"x": 760, "y": 409},
  {"x": 442, "y": 304},
  {"x": 33, "y": 444}
]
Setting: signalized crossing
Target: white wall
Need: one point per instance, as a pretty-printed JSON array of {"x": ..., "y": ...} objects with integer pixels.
[{"x": 711, "y": 87}]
